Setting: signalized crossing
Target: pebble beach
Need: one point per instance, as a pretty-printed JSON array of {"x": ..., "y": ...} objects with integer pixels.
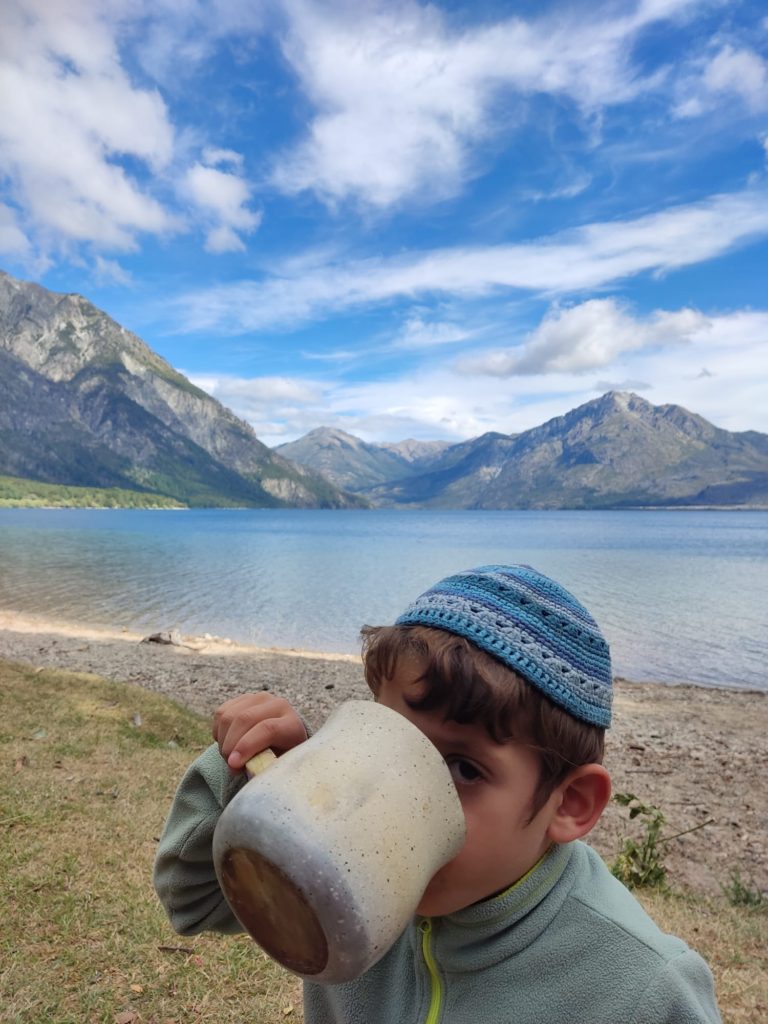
[{"x": 699, "y": 754}]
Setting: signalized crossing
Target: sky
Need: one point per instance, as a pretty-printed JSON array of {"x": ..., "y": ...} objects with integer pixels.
[{"x": 403, "y": 219}]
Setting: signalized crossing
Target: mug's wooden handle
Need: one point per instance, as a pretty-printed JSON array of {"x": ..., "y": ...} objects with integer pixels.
[{"x": 259, "y": 762}]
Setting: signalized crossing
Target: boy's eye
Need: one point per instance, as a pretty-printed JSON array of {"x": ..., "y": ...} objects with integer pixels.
[{"x": 463, "y": 771}]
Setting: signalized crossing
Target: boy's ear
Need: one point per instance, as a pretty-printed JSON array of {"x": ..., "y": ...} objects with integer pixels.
[{"x": 578, "y": 803}]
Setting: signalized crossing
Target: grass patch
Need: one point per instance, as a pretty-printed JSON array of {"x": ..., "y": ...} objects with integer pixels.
[
  {"x": 89, "y": 769},
  {"x": 18, "y": 492},
  {"x": 744, "y": 894},
  {"x": 732, "y": 939}
]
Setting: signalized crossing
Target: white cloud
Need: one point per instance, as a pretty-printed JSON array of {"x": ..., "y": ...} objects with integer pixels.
[
  {"x": 222, "y": 193},
  {"x": 178, "y": 36},
  {"x": 401, "y": 98},
  {"x": 110, "y": 271},
  {"x": 67, "y": 110},
  {"x": 436, "y": 402},
  {"x": 213, "y": 157},
  {"x": 622, "y": 385},
  {"x": 585, "y": 258},
  {"x": 259, "y": 389},
  {"x": 89, "y": 155},
  {"x": 222, "y": 198},
  {"x": 589, "y": 336},
  {"x": 739, "y": 71},
  {"x": 278, "y": 408},
  {"x": 223, "y": 239},
  {"x": 730, "y": 72},
  {"x": 579, "y": 184},
  {"x": 732, "y": 391},
  {"x": 419, "y": 332},
  {"x": 339, "y": 355}
]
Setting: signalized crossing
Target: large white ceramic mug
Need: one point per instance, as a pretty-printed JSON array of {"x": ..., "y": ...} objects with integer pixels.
[{"x": 324, "y": 856}]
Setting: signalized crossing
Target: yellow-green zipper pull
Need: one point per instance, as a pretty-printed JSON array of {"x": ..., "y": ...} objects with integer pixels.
[{"x": 436, "y": 988}]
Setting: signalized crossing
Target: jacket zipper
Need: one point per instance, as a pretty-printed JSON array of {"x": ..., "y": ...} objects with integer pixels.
[{"x": 436, "y": 988}]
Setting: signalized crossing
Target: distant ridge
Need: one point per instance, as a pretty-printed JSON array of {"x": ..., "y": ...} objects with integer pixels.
[
  {"x": 617, "y": 451},
  {"x": 354, "y": 464},
  {"x": 84, "y": 402}
]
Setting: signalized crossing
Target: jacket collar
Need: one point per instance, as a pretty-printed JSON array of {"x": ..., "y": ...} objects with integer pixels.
[{"x": 497, "y": 928}]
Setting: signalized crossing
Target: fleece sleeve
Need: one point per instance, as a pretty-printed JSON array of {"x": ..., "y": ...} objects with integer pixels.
[
  {"x": 184, "y": 875},
  {"x": 681, "y": 993}
]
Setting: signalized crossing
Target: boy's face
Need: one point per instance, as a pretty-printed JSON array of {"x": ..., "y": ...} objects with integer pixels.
[{"x": 496, "y": 783}]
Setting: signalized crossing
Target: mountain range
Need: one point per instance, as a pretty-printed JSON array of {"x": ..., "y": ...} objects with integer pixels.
[
  {"x": 85, "y": 402},
  {"x": 615, "y": 451}
]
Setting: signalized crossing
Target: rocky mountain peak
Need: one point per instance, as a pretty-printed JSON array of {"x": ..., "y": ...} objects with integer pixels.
[
  {"x": 84, "y": 401},
  {"x": 415, "y": 451},
  {"x": 58, "y": 334},
  {"x": 333, "y": 437}
]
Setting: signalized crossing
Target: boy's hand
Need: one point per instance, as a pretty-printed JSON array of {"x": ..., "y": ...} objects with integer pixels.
[{"x": 246, "y": 725}]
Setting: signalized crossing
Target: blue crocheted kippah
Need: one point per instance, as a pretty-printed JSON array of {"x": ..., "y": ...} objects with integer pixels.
[{"x": 530, "y": 623}]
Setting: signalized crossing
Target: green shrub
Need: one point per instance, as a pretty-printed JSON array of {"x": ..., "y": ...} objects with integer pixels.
[{"x": 641, "y": 862}]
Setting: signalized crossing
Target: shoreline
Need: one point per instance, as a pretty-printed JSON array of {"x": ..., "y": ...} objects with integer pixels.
[
  {"x": 698, "y": 753},
  {"x": 26, "y": 623}
]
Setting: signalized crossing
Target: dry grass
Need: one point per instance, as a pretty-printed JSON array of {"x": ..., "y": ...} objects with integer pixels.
[
  {"x": 733, "y": 941},
  {"x": 83, "y": 795}
]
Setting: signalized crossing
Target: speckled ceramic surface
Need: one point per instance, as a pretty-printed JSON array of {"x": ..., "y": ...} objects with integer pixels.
[{"x": 325, "y": 855}]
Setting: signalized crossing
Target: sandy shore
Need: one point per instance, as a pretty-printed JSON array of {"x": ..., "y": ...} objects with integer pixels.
[{"x": 699, "y": 754}]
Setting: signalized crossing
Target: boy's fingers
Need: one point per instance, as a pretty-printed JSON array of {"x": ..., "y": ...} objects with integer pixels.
[
  {"x": 237, "y": 716},
  {"x": 247, "y": 704},
  {"x": 280, "y": 734},
  {"x": 248, "y": 724}
]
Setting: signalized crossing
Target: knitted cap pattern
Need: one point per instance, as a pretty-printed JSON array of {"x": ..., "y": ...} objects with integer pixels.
[{"x": 531, "y": 624}]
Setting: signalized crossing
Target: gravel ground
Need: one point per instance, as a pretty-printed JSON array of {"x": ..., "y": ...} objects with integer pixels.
[{"x": 699, "y": 754}]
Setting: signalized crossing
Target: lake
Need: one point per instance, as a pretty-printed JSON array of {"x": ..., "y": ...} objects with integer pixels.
[{"x": 680, "y": 595}]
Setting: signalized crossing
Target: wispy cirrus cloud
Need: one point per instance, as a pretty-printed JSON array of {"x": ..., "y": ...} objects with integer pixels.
[
  {"x": 592, "y": 256},
  {"x": 106, "y": 270},
  {"x": 419, "y": 331},
  {"x": 402, "y": 96}
]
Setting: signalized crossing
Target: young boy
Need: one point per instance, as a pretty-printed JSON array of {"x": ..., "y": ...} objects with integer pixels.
[{"x": 510, "y": 678}]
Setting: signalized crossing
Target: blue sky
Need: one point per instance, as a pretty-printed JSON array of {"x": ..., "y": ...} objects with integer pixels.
[{"x": 402, "y": 219}]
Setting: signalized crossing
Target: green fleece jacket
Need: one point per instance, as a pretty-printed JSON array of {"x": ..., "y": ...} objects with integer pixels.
[{"x": 567, "y": 945}]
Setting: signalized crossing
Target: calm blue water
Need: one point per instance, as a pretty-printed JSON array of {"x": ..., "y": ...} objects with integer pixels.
[{"x": 681, "y": 596}]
